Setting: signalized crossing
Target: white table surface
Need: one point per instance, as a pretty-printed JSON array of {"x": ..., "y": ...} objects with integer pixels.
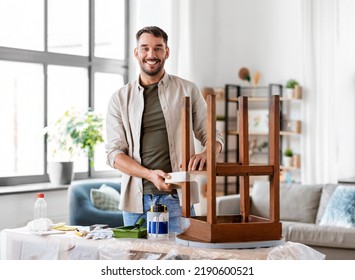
[{"x": 20, "y": 244}]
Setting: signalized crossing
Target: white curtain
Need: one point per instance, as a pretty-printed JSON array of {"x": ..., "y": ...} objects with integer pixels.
[
  {"x": 346, "y": 89},
  {"x": 320, "y": 109},
  {"x": 329, "y": 131},
  {"x": 174, "y": 17},
  {"x": 181, "y": 43}
]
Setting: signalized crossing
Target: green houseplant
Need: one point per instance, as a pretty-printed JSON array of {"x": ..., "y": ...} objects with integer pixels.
[
  {"x": 291, "y": 83},
  {"x": 288, "y": 154},
  {"x": 290, "y": 87},
  {"x": 70, "y": 135}
]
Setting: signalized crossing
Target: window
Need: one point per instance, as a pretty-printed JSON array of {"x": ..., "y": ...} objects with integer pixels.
[
  {"x": 67, "y": 88},
  {"x": 109, "y": 28},
  {"x": 21, "y": 119},
  {"x": 24, "y": 22},
  {"x": 105, "y": 84},
  {"x": 68, "y": 26},
  {"x": 54, "y": 56}
]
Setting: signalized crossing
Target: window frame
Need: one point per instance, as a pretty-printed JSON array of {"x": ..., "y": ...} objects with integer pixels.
[{"x": 91, "y": 63}]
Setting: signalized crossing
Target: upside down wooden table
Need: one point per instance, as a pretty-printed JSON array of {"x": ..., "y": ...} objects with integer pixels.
[{"x": 243, "y": 227}]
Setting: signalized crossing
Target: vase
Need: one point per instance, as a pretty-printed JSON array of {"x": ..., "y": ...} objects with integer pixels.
[
  {"x": 289, "y": 92},
  {"x": 61, "y": 173},
  {"x": 287, "y": 161}
]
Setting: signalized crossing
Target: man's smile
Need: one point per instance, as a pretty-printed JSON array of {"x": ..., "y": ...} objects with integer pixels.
[{"x": 152, "y": 61}]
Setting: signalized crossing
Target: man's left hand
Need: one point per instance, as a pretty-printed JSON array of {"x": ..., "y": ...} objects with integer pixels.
[{"x": 198, "y": 162}]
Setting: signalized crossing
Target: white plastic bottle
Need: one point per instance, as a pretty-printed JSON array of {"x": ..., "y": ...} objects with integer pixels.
[{"x": 40, "y": 213}]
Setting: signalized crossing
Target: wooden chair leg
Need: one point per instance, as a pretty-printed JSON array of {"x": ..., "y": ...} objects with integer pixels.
[
  {"x": 211, "y": 159},
  {"x": 274, "y": 156},
  {"x": 185, "y": 141},
  {"x": 244, "y": 156}
]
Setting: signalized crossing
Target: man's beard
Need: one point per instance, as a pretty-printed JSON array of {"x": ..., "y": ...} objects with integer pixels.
[{"x": 152, "y": 73}]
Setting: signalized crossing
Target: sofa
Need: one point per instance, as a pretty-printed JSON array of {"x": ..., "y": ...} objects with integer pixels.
[
  {"x": 95, "y": 202},
  {"x": 319, "y": 216}
]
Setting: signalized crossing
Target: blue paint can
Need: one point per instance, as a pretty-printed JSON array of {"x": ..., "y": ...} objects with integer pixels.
[{"x": 158, "y": 222}]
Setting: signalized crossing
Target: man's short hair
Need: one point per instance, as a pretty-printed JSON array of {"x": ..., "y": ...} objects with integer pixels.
[{"x": 155, "y": 31}]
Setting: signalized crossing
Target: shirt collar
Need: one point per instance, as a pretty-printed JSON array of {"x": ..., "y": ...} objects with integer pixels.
[{"x": 163, "y": 82}]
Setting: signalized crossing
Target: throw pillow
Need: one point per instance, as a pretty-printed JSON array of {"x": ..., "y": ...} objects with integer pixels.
[
  {"x": 327, "y": 192},
  {"x": 297, "y": 202},
  {"x": 340, "y": 210},
  {"x": 105, "y": 198}
]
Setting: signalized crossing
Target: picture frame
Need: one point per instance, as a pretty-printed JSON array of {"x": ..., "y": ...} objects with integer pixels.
[{"x": 258, "y": 121}]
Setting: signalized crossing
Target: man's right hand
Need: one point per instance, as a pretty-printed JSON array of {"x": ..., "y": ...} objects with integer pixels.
[
  {"x": 157, "y": 177},
  {"x": 129, "y": 166}
]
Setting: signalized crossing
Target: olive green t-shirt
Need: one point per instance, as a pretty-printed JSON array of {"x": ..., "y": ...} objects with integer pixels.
[{"x": 154, "y": 139}]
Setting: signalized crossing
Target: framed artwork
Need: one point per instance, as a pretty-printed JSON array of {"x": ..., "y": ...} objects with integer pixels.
[{"x": 258, "y": 121}]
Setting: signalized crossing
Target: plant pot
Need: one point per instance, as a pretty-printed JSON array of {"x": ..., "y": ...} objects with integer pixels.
[
  {"x": 287, "y": 162},
  {"x": 61, "y": 173},
  {"x": 289, "y": 92}
]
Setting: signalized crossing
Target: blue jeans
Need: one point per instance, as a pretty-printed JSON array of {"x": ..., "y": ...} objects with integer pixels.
[{"x": 172, "y": 204}]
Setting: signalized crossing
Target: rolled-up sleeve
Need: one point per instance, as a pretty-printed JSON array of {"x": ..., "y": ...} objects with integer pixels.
[{"x": 116, "y": 136}]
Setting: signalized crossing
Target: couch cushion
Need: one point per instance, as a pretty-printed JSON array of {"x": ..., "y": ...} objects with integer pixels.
[
  {"x": 105, "y": 198},
  {"x": 297, "y": 202},
  {"x": 324, "y": 236},
  {"x": 228, "y": 204},
  {"x": 285, "y": 226},
  {"x": 340, "y": 210}
]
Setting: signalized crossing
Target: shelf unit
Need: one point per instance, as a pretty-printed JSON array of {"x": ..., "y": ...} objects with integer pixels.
[{"x": 258, "y": 98}]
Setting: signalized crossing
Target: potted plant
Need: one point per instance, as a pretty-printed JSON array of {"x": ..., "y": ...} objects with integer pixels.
[
  {"x": 290, "y": 87},
  {"x": 72, "y": 134},
  {"x": 288, "y": 157}
]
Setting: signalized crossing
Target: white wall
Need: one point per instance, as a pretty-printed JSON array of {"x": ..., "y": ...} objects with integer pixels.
[
  {"x": 261, "y": 35},
  {"x": 227, "y": 35}
]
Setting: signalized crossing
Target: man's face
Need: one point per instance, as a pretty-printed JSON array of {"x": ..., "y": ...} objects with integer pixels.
[{"x": 151, "y": 54}]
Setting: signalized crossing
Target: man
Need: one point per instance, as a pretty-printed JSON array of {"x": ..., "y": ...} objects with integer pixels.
[{"x": 143, "y": 131}]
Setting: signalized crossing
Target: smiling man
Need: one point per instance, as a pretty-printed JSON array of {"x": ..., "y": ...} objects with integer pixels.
[
  {"x": 151, "y": 54},
  {"x": 143, "y": 131}
]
